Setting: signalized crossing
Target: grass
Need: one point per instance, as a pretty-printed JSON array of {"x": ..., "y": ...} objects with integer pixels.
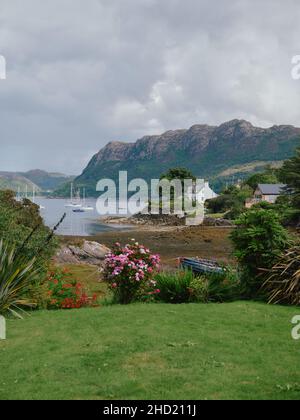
[
  {"x": 89, "y": 276},
  {"x": 241, "y": 350}
]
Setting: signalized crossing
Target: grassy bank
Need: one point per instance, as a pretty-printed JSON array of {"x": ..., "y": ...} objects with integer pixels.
[{"x": 156, "y": 351}]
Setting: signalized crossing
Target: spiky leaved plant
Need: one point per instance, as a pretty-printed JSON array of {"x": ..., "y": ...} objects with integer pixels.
[
  {"x": 283, "y": 283},
  {"x": 16, "y": 274}
]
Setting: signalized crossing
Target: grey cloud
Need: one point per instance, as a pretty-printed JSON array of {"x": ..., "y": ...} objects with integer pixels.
[{"x": 80, "y": 74}]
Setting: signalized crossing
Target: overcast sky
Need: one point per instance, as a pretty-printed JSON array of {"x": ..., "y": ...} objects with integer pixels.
[{"x": 81, "y": 73}]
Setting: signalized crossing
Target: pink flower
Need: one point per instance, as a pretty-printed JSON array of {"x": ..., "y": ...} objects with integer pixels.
[{"x": 117, "y": 271}]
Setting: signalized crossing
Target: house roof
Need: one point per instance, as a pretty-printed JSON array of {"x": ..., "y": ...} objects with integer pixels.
[{"x": 271, "y": 189}]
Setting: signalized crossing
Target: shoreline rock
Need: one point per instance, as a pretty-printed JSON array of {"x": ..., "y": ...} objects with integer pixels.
[
  {"x": 210, "y": 221},
  {"x": 91, "y": 253}
]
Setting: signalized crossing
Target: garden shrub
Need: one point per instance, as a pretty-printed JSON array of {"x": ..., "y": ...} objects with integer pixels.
[
  {"x": 199, "y": 290},
  {"x": 259, "y": 238},
  {"x": 63, "y": 292},
  {"x": 283, "y": 207},
  {"x": 224, "y": 287},
  {"x": 174, "y": 286},
  {"x": 129, "y": 271},
  {"x": 216, "y": 287},
  {"x": 182, "y": 286}
]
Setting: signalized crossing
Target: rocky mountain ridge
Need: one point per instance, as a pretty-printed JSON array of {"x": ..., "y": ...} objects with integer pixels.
[{"x": 206, "y": 150}]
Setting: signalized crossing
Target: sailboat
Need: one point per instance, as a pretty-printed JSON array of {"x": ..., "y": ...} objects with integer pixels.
[
  {"x": 19, "y": 194},
  {"x": 78, "y": 208},
  {"x": 33, "y": 199},
  {"x": 72, "y": 203},
  {"x": 85, "y": 206}
]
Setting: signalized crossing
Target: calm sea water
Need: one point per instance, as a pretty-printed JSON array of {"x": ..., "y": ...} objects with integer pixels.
[{"x": 75, "y": 224}]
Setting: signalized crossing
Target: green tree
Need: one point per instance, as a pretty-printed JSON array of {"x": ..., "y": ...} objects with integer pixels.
[
  {"x": 22, "y": 226},
  {"x": 259, "y": 238},
  {"x": 290, "y": 174},
  {"x": 269, "y": 176},
  {"x": 178, "y": 173}
]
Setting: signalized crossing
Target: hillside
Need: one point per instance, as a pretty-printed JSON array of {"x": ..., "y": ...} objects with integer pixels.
[
  {"x": 37, "y": 179},
  {"x": 47, "y": 181},
  {"x": 206, "y": 150},
  {"x": 14, "y": 181}
]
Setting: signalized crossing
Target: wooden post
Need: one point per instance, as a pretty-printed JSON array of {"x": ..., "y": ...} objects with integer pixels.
[{"x": 2, "y": 328}]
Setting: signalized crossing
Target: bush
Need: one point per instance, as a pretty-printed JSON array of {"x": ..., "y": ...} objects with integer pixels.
[
  {"x": 231, "y": 201},
  {"x": 222, "y": 203},
  {"x": 199, "y": 290},
  {"x": 174, "y": 287},
  {"x": 65, "y": 293},
  {"x": 236, "y": 210},
  {"x": 183, "y": 286},
  {"x": 258, "y": 240},
  {"x": 283, "y": 207},
  {"x": 283, "y": 282},
  {"x": 215, "y": 287},
  {"x": 129, "y": 272}
]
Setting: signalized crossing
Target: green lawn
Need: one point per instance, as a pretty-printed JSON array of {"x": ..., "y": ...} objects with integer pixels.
[{"x": 155, "y": 351}]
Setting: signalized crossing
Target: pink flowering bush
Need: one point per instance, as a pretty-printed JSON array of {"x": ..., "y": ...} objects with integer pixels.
[{"x": 129, "y": 271}]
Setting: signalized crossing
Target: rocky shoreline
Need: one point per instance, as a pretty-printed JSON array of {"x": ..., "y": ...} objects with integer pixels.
[
  {"x": 146, "y": 219},
  {"x": 162, "y": 220}
]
